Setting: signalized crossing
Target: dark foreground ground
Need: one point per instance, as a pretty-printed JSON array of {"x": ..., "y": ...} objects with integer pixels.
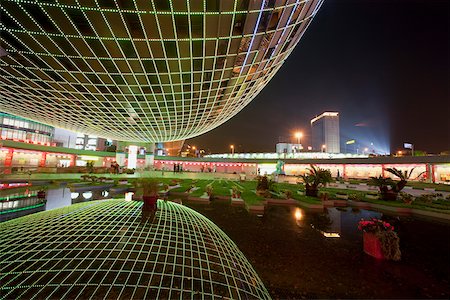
[{"x": 296, "y": 261}]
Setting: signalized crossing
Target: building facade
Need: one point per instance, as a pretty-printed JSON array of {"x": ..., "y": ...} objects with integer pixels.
[
  {"x": 325, "y": 132},
  {"x": 23, "y": 130},
  {"x": 288, "y": 148}
]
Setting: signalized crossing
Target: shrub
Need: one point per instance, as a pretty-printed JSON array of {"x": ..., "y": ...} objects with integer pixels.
[
  {"x": 354, "y": 197},
  {"x": 288, "y": 194},
  {"x": 236, "y": 193},
  {"x": 209, "y": 190}
]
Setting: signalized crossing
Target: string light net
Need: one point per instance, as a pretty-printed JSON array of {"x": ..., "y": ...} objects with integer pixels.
[
  {"x": 103, "y": 249},
  {"x": 149, "y": 71}
]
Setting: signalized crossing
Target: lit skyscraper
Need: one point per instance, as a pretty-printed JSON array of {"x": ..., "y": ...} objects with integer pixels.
[{"x": 325, "y": 132}]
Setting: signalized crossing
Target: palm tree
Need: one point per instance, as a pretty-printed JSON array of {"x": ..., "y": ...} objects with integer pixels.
[
  {"x": 389, "y": 189},
  {"x": 314, "y": 179},
  {"x": 385, "y": 185},
  {"x": 404, "y": 177}
]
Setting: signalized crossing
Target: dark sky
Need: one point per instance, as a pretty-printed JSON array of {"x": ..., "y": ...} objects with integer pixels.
[{"x": 382, "y": 64}]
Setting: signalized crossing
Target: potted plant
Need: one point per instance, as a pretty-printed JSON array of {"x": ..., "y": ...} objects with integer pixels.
[
  {"x": 263, "y": 186},
  {"x": 150, "y": 193},
  {"x": 236, "y": 193},
  {"x": 210, "y": 191},
  {"x": 405, "y": 198},
  {"x": 90, "y": 166},
  {"x": 287, "y": 194},
  {"x": 41, "y": 194},
  {"x": 314, "y": 179},
  {"x": 388, "y": 188},
  {"x": 380, "y": 239}
]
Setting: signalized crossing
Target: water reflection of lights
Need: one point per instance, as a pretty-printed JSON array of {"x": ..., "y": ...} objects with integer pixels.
[
  {"x": 129, "y": 196},
  {"x": 74, "y": 195},
  {"x": 327, "y": 234},
  {"x": 105, "y": 193},
  {"x": 330, "y": 234},
  {"x": 87, "y": 195},
  {"x": 298, "y": 214}
]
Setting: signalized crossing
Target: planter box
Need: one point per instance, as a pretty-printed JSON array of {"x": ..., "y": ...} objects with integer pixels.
[
  {"x": 256, "y": 209},
  {"x": 404, "y": 210},
  {"x": 341, "y": 196},
  {"x": 237, "y": 202},
  {"x": 341, "y": 203},
  {"x": 281, "y": 202},
  {"x": 310, "y": 205},
  {"x": 222, "y": 198},
  {"x": 199, "y": 200},
  {"x": 328, "y": 203},
  {"x": 360, "y": 204},
  {"x": 372, "y": 245}
]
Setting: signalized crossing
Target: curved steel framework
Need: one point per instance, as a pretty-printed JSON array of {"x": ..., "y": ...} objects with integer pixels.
[
  {"x": 149, "y": 71},
  {"x": 103, "y": 249}
]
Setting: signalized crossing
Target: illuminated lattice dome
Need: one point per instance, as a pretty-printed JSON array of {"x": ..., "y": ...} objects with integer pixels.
[
  {"x": 102, "y": 250},
  {"x": 150, "y": 71}
]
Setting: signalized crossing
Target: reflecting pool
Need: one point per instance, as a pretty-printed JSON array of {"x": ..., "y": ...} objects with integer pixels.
[{"x": 300, "y": 253}]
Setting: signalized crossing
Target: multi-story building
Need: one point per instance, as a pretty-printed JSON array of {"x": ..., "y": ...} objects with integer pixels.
[
  {"x": 325, "y": 132},
  {"x": 23, "y": 130},
  {"x": 92, "y": 142},
  {"x": 288, "y": 148}
]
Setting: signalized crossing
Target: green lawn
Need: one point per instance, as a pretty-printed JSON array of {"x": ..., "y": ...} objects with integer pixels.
[{"x": 222, "y": 187}]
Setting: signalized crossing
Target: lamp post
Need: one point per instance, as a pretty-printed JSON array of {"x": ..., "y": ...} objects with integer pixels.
[
  {"x": 232, "y": 149},
  {"x": 324, "y": 147},
  {"x": 299, "y": 136}
]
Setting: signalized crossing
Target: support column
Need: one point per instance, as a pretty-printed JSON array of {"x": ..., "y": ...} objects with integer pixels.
[
  {"x": 132, "y": 157},
  {"x": 8, "y": 161},
  {"x": 383, "y": 169},
  {"x": 43, "y": 159},
  {"x": 120, "y": 158}
]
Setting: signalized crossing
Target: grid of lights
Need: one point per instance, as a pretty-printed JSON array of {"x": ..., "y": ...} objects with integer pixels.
[
  {"x": 102, "y": 249},
  {"x": 149, "y": 71}
]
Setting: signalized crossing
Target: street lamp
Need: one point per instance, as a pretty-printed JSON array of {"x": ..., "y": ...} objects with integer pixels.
[
  {"x": 299, "y": 136},
  {"x": 232, "y": 149},
  {"x": 324, "y": 147}
]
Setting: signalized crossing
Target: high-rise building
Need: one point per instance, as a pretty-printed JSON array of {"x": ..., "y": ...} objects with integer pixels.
[
  {"x": 143, "y": 71},
  {"x": 325, "y": 132}
]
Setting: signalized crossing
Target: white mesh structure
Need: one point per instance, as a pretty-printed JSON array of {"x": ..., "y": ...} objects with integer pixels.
[
  {"x": 149, "y": 71},
  {"x": 102, "y": 249}
]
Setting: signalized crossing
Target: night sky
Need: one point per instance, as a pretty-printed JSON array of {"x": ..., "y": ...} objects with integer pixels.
[{"x": 382, "y": 64}]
